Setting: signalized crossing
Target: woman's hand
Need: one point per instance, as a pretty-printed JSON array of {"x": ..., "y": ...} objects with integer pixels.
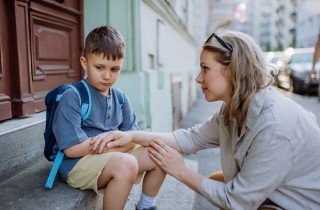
[
  {"x": 111, "y": 141},
  {"x": 169, "y": 159}
]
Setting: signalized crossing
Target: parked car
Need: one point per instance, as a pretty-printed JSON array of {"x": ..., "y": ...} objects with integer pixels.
[{"x": 295, "y": 75}]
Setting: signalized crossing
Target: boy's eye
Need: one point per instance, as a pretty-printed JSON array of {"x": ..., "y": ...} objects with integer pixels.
[
  {"x": 115, "y": 69},
  {"x": 99, "y": 67}
]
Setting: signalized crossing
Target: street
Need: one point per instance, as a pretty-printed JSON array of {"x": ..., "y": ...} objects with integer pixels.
[{"x": 209, "y": 160}]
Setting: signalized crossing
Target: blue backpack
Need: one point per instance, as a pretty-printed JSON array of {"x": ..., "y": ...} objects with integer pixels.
[{"x": 51, "y": 101}]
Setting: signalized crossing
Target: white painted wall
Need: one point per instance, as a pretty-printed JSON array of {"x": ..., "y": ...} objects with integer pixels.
[
  {"x": 179, "y": 55},
  {"x": 177, "y": 52}
]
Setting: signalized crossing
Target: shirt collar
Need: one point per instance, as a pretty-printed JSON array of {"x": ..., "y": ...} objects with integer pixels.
[{"x": 255, "y": 106}]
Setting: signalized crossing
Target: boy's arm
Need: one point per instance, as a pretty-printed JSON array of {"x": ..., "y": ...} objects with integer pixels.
[
  {"x": 67, "y": 126},
  {"x": 78, "y": 150},
  {"x": 84, "y": 148}
]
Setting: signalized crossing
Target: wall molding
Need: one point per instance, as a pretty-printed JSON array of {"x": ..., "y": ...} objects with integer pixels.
[{"x": 168, "y": 14}]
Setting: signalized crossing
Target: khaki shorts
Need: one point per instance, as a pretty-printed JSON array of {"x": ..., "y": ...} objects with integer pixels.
[{"x": 86, "y": 172}]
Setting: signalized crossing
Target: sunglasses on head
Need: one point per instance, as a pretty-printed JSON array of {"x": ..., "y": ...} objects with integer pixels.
[{"x": 223, "y": 43}]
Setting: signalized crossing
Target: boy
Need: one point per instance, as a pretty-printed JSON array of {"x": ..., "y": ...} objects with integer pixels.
[{"x": 83, "y": 166}]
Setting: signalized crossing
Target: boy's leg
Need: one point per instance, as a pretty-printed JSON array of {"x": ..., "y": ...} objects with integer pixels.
[
  {"x": 118, "y": 177},
  {"x": 153, "y": 177}
]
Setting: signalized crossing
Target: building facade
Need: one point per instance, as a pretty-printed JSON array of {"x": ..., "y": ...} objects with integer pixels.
[{"x": 308, "y": 23}]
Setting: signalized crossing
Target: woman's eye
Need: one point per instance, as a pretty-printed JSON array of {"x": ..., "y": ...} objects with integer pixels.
[{"x": 205, "y": 69}]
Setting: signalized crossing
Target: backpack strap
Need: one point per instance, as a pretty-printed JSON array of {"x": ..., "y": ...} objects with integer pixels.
[
  {"x": 85, "y": 98},
  {"x": 83, "y": 91},
  {"x": 56, "y": 164}
]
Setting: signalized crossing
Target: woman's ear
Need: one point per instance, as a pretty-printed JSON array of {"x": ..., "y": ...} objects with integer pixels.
[{"x": 83, "y": 62}]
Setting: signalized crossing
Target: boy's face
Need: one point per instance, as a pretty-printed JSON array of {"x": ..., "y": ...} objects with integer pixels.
[{"x": 102, "y": 73}]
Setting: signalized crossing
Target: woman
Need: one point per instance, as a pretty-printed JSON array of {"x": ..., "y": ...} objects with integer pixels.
[{"x": 269, "y": 145}]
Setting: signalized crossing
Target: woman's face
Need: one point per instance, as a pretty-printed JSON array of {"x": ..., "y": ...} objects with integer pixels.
[{"x": 214, "y": 78}]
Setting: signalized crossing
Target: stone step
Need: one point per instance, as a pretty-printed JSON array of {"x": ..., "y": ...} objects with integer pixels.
[
  {"x": 21, "y": 144},
  {"x": 26, "y": 191}
]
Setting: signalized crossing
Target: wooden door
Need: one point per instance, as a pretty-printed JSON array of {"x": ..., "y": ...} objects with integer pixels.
[
  {"x": 5, "y": 74},
  {"x": 45, "y": 45}
]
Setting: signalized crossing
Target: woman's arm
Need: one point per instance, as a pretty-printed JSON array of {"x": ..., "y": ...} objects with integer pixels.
[{"x": 119, "y": 138}]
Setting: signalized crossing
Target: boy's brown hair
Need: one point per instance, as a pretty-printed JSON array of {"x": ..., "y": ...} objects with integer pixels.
[{"x": 106, "y": 40}]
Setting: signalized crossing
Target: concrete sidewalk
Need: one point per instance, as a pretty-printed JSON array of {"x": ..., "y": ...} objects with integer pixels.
[{"x": 208, "y": 160}]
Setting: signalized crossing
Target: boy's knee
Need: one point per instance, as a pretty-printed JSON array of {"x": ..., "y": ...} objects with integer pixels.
[
  {"x": 145, "y": 160},
  {"x": 126, "y": 165},
  {"x": 146, "y": 164}
]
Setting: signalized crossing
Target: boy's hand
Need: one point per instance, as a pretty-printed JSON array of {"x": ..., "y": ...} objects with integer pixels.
[
  {"x": 92, "y": 143},
  {"x": 109, "y": 140}
]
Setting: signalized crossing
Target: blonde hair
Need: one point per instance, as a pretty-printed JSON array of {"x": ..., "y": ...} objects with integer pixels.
[{"x": 248, "y": 72}]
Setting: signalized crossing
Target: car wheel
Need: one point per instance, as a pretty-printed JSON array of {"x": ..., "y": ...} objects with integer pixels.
[{"x": 294, "y": 88}]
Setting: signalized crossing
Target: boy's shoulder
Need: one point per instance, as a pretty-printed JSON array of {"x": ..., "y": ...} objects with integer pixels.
[
  {"x": 116, "y": 90},
  {"x": 119, "y": 94},
  {"x": 78, "y": 94},
  {"x": 70, "y": 96}
]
